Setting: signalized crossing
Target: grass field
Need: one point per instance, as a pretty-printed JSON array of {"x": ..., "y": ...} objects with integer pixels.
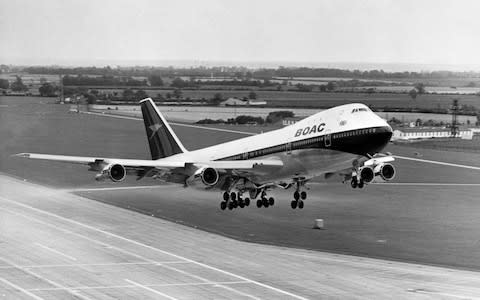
[
  {"x": 325, "y": 100},
  {"x": 448, "y": 144}
]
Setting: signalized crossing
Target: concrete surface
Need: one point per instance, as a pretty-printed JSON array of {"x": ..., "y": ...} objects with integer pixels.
[{"x": 55, "y": 245}]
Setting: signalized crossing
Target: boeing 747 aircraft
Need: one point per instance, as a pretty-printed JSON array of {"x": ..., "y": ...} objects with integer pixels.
[{"x": 346, "y": 140}]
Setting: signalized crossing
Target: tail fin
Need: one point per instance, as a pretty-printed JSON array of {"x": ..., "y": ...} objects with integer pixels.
[{"x": 161, "y": 138}]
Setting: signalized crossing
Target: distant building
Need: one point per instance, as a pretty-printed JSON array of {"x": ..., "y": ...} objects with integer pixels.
[
  {"x": 408, "y": 133},
  {"x": 233, "y": 101},
  {"x": 290, "y": 121}
]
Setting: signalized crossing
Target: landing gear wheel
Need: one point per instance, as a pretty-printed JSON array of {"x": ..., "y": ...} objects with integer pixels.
[
  {"x": 303, "y": 195},
  {"x": 271, "y": 201},
  {"x": 223, "y": 205},
  {"x": 235, "y": 203},
  {"x": 354, "y": 183},
  {"x": 226, "y": 196},
  {"x": 230, "y": 205},
  {"x": 361, "y": 184},
  {"x": 241, "y": 203},
  {"x": 296, "y": 195},
  {"x": 259, "y": 203},
  {"x": 293, "y": 204},
  {"x": 233, "y": 196},
  {"x": 265, "y": 202},
  {"x": 247, "y": 201},
  {"x": 300, "y": 204}
]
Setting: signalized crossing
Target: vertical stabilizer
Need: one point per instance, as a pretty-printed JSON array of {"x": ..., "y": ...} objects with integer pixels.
[{"x": 161, "y": 138}]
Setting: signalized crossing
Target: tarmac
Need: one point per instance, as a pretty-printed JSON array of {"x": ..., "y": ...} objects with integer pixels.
[{"x": 56, "y": 245}]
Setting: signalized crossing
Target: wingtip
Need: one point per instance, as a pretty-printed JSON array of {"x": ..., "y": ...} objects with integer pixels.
[{"x": 25, "y": 155}]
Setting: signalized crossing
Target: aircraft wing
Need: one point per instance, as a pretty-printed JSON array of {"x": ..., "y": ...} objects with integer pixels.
[{"x": 161, "y": 164}]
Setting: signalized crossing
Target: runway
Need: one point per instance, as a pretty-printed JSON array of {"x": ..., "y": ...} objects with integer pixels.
[{"x": 61, "y": 246}]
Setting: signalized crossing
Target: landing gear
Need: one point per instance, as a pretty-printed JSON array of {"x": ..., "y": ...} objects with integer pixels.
[
  {"x": 264, "y": 201},
  {"x": 357, "y": 183},
  {"x": 233, "y": 200},
  {"x": 298, "y": 198}
]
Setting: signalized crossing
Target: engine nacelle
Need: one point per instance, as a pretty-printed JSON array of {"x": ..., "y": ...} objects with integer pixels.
[
  {"x": 366, "y": 174},
  {"x": 209, "y": 176},
  {"x": 117, "y": 172},
  {"x": 204, "y": 178},
  {"x": 386, "y": 171}
]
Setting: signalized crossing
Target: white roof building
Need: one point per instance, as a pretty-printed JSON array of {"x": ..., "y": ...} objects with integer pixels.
[
  {"x": 407, "y": 133},
  {"x": 233, "y": 101}
]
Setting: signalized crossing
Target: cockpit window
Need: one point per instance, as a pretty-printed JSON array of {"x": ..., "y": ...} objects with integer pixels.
[{"x": 359, "y": 109}]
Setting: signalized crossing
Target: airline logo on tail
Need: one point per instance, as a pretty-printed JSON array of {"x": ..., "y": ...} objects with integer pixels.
[{"x": 162, "y": 140}]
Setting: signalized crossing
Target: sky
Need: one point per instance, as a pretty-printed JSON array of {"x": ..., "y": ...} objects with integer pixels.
[{"x": 140, "y": 32}]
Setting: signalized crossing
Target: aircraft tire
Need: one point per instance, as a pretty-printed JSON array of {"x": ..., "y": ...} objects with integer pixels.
[
  {"x": 303, "y": 195},
  {"x": 226, "y": 196},
  {"x": 271, "y": 201},
  {"x": 223, "y": 205},
  {"x": 296, "y": 195},
  {"x": 353, "y": 183},
  {"x": 233, "y": 196},
  {"x": 230, "y": 206},
  {"x": 247, "y": 201},
  {"x": 361, "y": 184},
  {"x": 300, "y": 205},
  {"x": 293, "y": 204},
  {"x": 241, "y": 204},
  {"x": 259, "y": 203}
]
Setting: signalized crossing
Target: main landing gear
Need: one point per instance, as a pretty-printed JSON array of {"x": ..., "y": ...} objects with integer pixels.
[
  {"x": 233, "y": 200},
  {"x": 298, "y": 197},
  {"x": 264, "y": 201}
]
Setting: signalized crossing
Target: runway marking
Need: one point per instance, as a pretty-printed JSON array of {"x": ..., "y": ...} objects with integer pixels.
[
  {"x": 437, "y": 162},
  {"x": 426, "y": 184},
  {"x": 118, "y": 188},
  {"x": 156, "y": 263},
  {"x": 171, "y": 123},
  {"x": 420, "y": 291},
  {"x": 150, "y": 289},
  {"x": 56, "y": 251},
  {"x": 51, "y": 282},
  {"x": 20, "y": 289},
  {"x": 106, "y": 287},
  {"x": 266, "y": 286}
]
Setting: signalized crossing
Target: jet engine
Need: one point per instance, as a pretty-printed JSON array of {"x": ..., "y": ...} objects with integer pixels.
[
  {"x": 386, "y": 171},
  {"x": 115, "y": 172},
  {"x": 209, "y": 176},
  {"x": 366, "y": 174},
  {"x": 204, "y": 178}
]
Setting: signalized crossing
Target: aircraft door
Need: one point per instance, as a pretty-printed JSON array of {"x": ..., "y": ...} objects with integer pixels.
[
  {"x": 328, "y": 139},
  {"x": 289, "y": 148}
]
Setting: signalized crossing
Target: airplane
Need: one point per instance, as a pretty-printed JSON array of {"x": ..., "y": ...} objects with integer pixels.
[{"x": 346, "y": 140}]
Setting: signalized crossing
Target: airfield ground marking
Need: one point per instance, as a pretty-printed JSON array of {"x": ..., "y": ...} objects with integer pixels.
[
  {"x": 131, "y": 254},
  {"x": 51, "y": 282},
  {"x": 156, "y": 263},
  {"x": 204, "y": 280},
  {"x": 150, "y": 289},
  {"x": 125, "y": 286},
  {"x": 426, "y": 184},
  {"x": 247, "y": 280},
  {"x": 18, "y": 288},
  {"x": 118, "y": 188},
  {"x": 437, "y": 162},
  {"x": 56, "y": 251},
  {"x": 171, "y": 123}
]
